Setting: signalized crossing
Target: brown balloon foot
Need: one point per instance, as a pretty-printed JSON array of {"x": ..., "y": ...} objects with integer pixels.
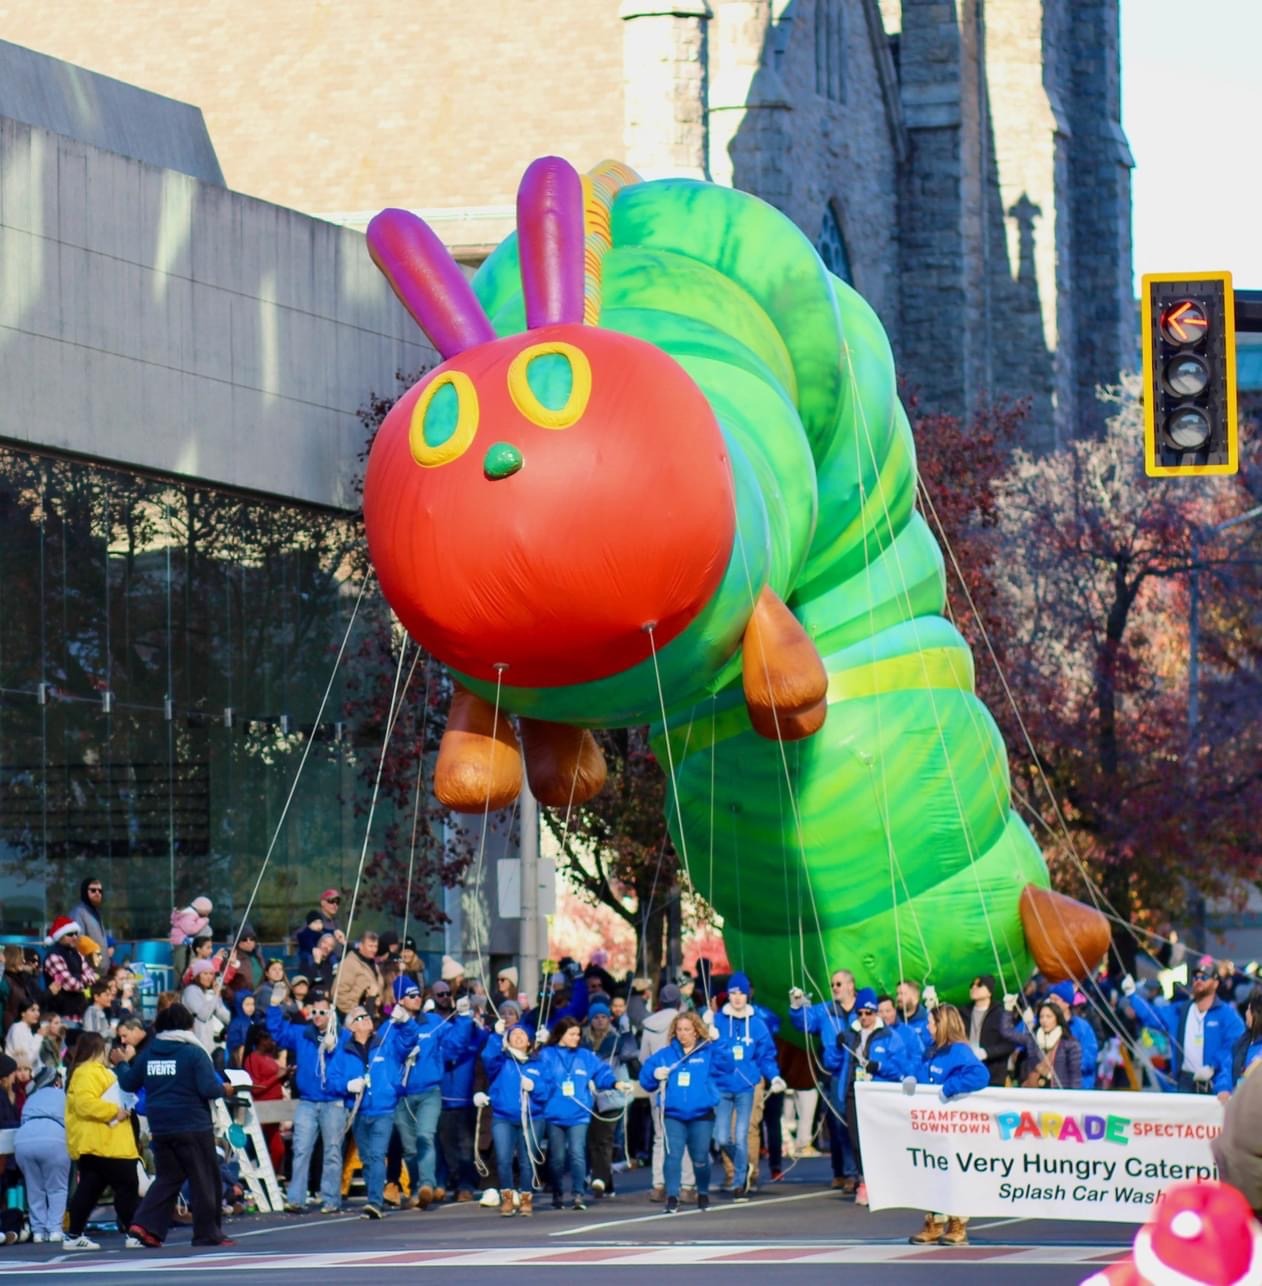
[
  {"x": 786, "y": 685},
  {"x": 1067, "y": 939},
  {"x": 564, "y": 764},
  {"x": 479, "y": 761}
]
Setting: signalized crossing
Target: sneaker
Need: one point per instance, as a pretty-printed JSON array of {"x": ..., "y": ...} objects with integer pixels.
[
  {"x": 370, "y": 1211},
  {"x": 56, "y": 1236},
  {"x": 579, "y": 1204},
  {"x": 703, "y": 1201},
  {"x": 291, "y": 1209},
  {"x": 75, "y": 1243},
  {"x": 144, "y": 1236},
  {"x": 672, "y": 1205},
  {"x": 38, "y": 1238},
  {"x": 861, "y": 1195},
  {"x": 741, "y": 1194},
  {"x": 330, "y": 1210},
  {"x": 598, "y": 1187},
  {"x": 130, "y": 1243},
  {"x": 557, "y": 1203}
]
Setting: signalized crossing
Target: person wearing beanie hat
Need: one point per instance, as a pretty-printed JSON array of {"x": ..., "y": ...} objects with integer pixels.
[
  {"x": 40, "y": 1151},
  {"x": 517, "y": 1092},
  {"x": 200, "y": 1000},
  {"x": 604, "y": 1042},
  {"x": 745, "y": 1036},
  {"x": 1200, "y": 1234},
  {"x": 453, "y": 971},
  {"x": 506, "y": 983},
  {"x": 68, "y": 975},
  {"x": 249, "y": 960},
  {"x": 1065, "y": 995},
  {"x": 410, "y": 963}
]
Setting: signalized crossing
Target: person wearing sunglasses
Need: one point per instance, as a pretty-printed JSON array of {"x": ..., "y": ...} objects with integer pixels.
[
  {"x": 830, "y": 1019},
  {"x": 90, "y": 917},
  {"x": 320, "y": 1112},
  {"x": 1203, "y": 1031},
  {"x": 330, "y": 908}
]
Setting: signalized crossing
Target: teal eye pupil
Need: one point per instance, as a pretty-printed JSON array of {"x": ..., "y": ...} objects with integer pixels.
[
  {"x": 551, "y": 379},
  {"x": 441, "y": 416}
]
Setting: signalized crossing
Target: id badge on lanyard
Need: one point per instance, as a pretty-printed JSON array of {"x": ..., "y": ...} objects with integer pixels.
[
  {"x": 567, "y": 1089},
  {"x": 684, "y": 1079},
  {"x": 738, "y": 1053}
]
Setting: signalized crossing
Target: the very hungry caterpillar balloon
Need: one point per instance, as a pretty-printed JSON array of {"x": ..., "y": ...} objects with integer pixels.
[{"x": 663, "y": 465}]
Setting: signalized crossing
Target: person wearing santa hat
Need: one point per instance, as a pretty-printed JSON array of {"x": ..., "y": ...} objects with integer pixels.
[
  {"x": 68, "y": 976},
  {"x": 1200, "y": 1234}
]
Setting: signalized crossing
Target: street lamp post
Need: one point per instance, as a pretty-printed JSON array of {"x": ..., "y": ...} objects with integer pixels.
[{"x": 1199, "y": 535}]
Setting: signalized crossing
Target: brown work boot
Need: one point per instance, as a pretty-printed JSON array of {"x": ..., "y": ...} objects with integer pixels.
[
  {"x": 657, "y": 1194},
  {"x": 930, "y": 1234},
  {"x": 956, "y": 1231},
  {"x": 507, "y": 1210},
  {"x": 440, "y": 1195},
  {"x": 464, "y": 1195},
  {"x": 424, "y": 1195},
  {"x": 528, "y": 1203}
]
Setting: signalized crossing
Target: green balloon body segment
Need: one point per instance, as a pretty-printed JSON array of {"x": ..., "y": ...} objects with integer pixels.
[{"x": 884, "y": 843}]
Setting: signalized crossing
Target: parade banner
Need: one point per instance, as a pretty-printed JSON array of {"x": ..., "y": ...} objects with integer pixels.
[{"x": 1046, "y": 1154}]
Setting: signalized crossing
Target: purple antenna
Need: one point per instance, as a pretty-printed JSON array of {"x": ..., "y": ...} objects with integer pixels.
[
  {"x": 550, "y": 242},
  {"x": 428, "y": 282}
]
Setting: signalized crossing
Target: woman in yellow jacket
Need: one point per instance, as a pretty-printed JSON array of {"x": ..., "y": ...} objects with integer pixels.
[{"x": 100, "y": 1140}]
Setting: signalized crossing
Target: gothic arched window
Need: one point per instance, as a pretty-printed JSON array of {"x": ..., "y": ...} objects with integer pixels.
[{"x": 832, "y": 247}]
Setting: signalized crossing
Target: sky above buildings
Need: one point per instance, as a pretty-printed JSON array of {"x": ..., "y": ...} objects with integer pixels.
[{"x": 1192, "y": 109}]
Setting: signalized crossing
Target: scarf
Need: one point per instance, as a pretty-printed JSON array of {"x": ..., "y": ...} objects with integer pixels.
[{"x": 1046, "y": 1040}]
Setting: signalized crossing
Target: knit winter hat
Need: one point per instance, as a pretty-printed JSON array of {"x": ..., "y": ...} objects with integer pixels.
[
  {"x": 199, "y": 967},
  {"x": 1202, "y": 1234},
  {"x": 452, "y": 969},
  {"x": 865, "y": 998},
  {"x": 510, "y": 973},
  {"x": 405, "y": 986},
  {"x": 740, "y": 982},
  {"x": 62, "y": 927},
  {"x": 7, "y": 1066},
  {"x": 669, "y": 996},
  {"x": 599, "y": 1009},
  {"x": 203, "y": 906}
]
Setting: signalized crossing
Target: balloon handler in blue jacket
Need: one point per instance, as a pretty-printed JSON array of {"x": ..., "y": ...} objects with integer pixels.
[
  {"x": 950, "y": 1063},
  {"x": 747, "y": 1038},
  {"x": 683, "y": 1078},
  {"x": 371, "y": 1067},
  {"x": 869, "y": 1051},
  {"x": 518, "y": 1087},
  {"x": 574, "y": 1074},
  {"x": 1203, "y": 1032}
]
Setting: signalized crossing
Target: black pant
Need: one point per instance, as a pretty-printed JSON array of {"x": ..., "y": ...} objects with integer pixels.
[
  {"x": 772, "y": 1107},
  {"x": 455, "y": 1140},
  {"x": 95, "y": 1175},
  {"x": 184, "y": 1157},
  {"x": 600, "y": 1149},
  {"x": 852, "y": 1128}
]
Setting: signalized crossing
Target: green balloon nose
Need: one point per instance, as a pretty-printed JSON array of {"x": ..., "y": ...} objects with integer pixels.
[{"x": 502, "y": 460}]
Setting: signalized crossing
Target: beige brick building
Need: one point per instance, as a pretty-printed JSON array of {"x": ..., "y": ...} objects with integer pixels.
[{"x": 963, "y": 163}]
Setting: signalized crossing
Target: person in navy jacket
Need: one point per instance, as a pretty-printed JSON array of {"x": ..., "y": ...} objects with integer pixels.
[
  {"x": 420, "y": 1092},
  {"x": 518, "y": 1087},
  {"x": 572, "y": 1070},
  {"x": 1203, "y": 1032},
  {"x": 683, "y": 1076},
  {"x": 1066, "y": 997},
  {"x": 951, "y": 1064},
  {"x": 371, "y": 1065},
  {"x": 829, "y": 1019},
  {"x": 746, "y": 1037}
]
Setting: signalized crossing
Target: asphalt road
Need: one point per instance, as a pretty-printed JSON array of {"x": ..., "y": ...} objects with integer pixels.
[{"x": 798, "y": 1226}]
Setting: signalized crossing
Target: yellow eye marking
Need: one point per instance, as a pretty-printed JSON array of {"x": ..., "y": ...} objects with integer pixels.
[
  {"x": 444, "y": 420},
  {"x": 550, "y": 384}
]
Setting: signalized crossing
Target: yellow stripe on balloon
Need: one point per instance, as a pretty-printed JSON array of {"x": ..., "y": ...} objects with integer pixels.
[{"x": 600, "y": 187}]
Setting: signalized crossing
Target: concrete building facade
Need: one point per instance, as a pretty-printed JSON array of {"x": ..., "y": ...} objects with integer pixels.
[{"x": 961, "y": 161}]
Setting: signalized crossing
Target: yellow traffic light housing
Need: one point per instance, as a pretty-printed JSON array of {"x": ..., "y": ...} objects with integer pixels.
[{"x": 1189, "y": 336}]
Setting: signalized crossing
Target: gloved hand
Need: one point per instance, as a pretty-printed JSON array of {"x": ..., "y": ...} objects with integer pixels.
[
  {"x": 481, "y": 1100},
  {"x": 500, "y": 1027},
  {"x": 623, "y": 1087},
  {"x": 527, "y": 1084},
  {"x": 1204, "y": 1076},
  {"x": 909, "y": 1085},
  {"x": 930, "y": 996},
  {"x": 1027, "y": 1017},
  {"x": 797, "y": 997},
  {"x": 329, "y": 1039},
  {"x": 1128, "y": 986},
  {"x": 541, "y": 1036},
  {"x": 462, "y": 1005},
  {"x": 1011, "y": 1000},
  {"x": 662, "y": 1073},
  {"x": 355, "y": 1085},
  {"x": 980, "y": 1051},
  {"x": 280, "y": 993},
  {"x": 399, "y": 1015},
  {"x": 777, "y": 1085},
  {"x": 943, "y": 1096}
]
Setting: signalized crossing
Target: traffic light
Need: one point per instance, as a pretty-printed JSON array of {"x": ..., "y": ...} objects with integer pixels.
[{"x": 1189, "y": 338}]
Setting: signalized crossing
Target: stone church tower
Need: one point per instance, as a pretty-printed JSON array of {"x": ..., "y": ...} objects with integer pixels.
[{"x": 960, "y": 161}]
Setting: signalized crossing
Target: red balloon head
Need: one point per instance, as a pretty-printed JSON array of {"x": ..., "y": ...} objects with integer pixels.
[{"x": 537, "y": 500}]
